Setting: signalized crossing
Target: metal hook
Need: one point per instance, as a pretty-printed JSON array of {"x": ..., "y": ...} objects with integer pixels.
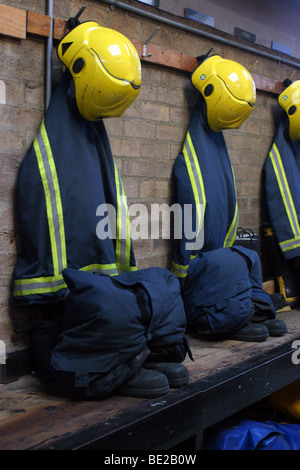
[
  {"x": 290, "y": 78},
  {"x": 147, "y": 42},
  {"x": 72, "y": 22},
  {"x": 253, "y": 66}
]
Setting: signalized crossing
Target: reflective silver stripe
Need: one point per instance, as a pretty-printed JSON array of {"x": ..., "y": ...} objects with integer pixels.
[
  {"x": 46, "y": 285},
  {"x": 179, "y": 270},
  {"x": 195, "y": 175},
  {"x": 123, "y": 239},
  {"x": 231, "y": 234},
  {"x": 123, "y": 229},
  {"x": 113, "y": 271},
  {"x": 54, "y": 211},
  {"x": 289, "y": 245},
  {"x": 195, "y": 172},
  {"x": 37, "y": 287},
  {"x": 284, "y": 189}
]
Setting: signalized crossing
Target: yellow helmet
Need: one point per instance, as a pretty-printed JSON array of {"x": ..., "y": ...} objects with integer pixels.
[
  {"x": 289, "y": 100},
  {"x": 105, "y": 67},
  {"x": 228, "y": 89}
]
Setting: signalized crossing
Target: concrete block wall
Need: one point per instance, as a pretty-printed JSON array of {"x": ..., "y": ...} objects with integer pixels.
[{"x": 145, "y": 140}]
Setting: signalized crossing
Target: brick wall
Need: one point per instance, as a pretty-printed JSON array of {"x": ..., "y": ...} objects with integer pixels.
[{"x": 145, "y": 140}]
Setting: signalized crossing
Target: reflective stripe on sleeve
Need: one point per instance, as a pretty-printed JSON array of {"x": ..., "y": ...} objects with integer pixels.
[
  {"x": 179, "y": 270},
  {"x": 196, "y": 180},
  {"x": 123, "y": 240},
  {"x": 287, "y": 199},
  {"x": 54, "y": 210},
  {"x": 50, "y": 284}
]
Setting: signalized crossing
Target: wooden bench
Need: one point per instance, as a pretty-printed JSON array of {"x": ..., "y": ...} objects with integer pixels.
[{"x": 226, "y": 377}]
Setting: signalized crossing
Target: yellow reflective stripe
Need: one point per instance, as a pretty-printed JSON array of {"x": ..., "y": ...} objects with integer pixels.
[
  {"x": 54, "y": 210},
  {"x": 284, "y": 190},
  {"x": 196, "y": 179},
  {"x": 123, "y": 239},
  {"x": 48, "y": 204},
  {"x": 230, "y": 236},
  {"x": 127, "y": 222},
  {"x": 38, "y": 285},
  {"x": 179, "y": 270},
  {"x": 50, "y": 284},
  {"x": 110, "y": 269},
  {"x": 290, "y": 244},
  {"x": 282, "y": 290},
  {"x": 57, "y": 197},
  {"x": 125, "y": 269},
  {"x": 119, "y": 216}
]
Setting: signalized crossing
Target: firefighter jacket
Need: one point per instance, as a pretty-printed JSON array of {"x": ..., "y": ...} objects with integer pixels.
[
  {"x": 67, "y": 179},
  {"x": 205, "y": 192},
  {"x": 282, "y": 189},
  {"x": 105, "y": 342}
]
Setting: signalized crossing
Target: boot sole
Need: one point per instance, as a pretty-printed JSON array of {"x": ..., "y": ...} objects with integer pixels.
[
  {"x": 138, "y": 393},
  {"x": 175, "y": 383},
  {"x": 249, "y": 338}
]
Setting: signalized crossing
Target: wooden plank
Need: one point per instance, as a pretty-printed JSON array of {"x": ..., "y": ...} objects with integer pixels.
[
  {"x": 38, "y": 24},
  {"x": 269, "y": 286},
  {"x": 267, "y": 84},
  {"x": 12, "y": 22},
  {"x": 188, "y": 62},
  {"x": 59, "y": 28}
]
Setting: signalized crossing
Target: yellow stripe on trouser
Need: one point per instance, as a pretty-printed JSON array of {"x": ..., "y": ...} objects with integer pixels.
[{"x": 287, "y": 199}]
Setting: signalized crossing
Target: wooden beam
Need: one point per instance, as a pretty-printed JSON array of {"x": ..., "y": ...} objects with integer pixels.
[
  {"x": 38, "y": 24},
  {"x": 59, "y": 28},
  {"x": 267, "y": 84},
  {"x": 158, "y": 55},
  {"x": 12, "y": 22}
]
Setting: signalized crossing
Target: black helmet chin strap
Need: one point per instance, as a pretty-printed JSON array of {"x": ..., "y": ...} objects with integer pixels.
[
  {"x": 202, "y": 58},
  {"x": 74, "y": 21},
  {"x": 286, "y": 83}
]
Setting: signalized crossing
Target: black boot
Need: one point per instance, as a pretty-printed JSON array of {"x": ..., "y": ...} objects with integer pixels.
[
  {"x": 145, "y": 384},
  {"x": 278, "y": 301},
  {"x": 264, "y": 317},
  {"x": 253, "y": 332},
  {"x": 171, "y": 352},
  {"x": 177, "y": 374},
  {"x": 275, "y": 327}
]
